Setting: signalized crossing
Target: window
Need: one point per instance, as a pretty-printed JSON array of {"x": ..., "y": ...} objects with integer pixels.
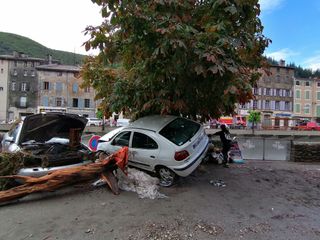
[
  {"x": 255, "y": 90},
  {"x": 278, "y": 69},
  {"x": 24, "y": 87},
  {"x": 1, "y": 88},
  {"x": 287, "y": 92},
  {"x": 307, "y": 109},
  {"x": 45, "y": 85},
  {"x": 59, "y": 73},
  {"x": 318, "y": 111},
  {"x": 25, "y": 63},
  {"x": 143, "y": 141},
  {"x": 297, "y": 83},
  {"x": 1, "y": 70},
  {"x": 15, "y": 72},
  {"x": 297, "y": 93},
  {"x": 180, "y": 130},
  {"x": 15, "y": 63},
  {"x": 318, "y": 95},
  {"x": 32, "y": 64},
  {"x": 13, "y": 86},
  {"x": 277, "y": 105},
  {"x": 267, "y": 104},
  {"x": 307, "y": 83},
  {"x": 45, "y": 101},
  {"x": 122, "y": 139},
  {"x": 287, "y": 106},
  {"x": 32, "y": 73},
  {"x": 75, "y": 102},
  {"x": 25, "y": 73},
  {"x": 318, "y": 84},
  {"x": 23, "y": 101},
  {"x": 255, "y": 104},
  {"x": 87, "y": 89},
  {"x": 268, "y": 91},
  {"x": 86, "y": 103},
  {"x": 297, "y": 108},
  {"x": 278, "y": 92},
  {"x": 59, "y": 86},
  {"x": 58, "y": 102},
  {"x": 278, "y": 78},
  {"x": 75, "y": 87},
  {"x": 307, "y": 94}
]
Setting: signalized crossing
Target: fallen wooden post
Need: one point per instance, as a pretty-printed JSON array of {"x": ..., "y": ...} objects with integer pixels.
[{"x": 65, "y": 177}]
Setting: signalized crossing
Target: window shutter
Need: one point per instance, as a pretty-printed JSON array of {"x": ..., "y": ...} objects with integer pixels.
[
  {"x": 45, "y": 101},
  {"x": 80, "y": 102},
  {"x": 273, "y": 105}
]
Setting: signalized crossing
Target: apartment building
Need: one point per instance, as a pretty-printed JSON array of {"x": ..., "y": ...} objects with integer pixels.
[
  {"x": 18, "y": 85},
  {"x": 59, "y": 90},
  {"x": 30, "y": 85},
  {"x": 306, "y": 99},
  {"x": 273, "y": 97}
]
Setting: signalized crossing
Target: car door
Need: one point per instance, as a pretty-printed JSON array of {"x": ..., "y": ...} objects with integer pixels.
[
  {"x": 119, "y": 141},
  {"x": 144, "y": 150}
]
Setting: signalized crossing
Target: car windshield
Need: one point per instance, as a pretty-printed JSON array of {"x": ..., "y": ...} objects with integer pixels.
[{"x": 180, "y": 130}]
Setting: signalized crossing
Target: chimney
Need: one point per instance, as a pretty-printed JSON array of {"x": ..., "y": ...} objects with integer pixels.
[
  {"x": 282, "y": 63},
  {"x": 49, "y": 59}
]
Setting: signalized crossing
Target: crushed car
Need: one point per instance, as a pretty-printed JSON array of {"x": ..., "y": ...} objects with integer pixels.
[
  {"x": 169, "y": 146},
  {"x": 48, "y": 141}
]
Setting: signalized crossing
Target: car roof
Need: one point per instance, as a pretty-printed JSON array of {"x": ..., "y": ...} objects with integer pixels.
[{"x": 153, "y": 122}]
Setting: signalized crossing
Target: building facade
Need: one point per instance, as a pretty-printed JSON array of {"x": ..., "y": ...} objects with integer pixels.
[
  {"x": 19, "y": 83},
  {"x": 307, "y": 99},
  {"x": 59, "y": 90},
  {"x": 273, "y": 97},
  {"x": 31, "y": 85}
]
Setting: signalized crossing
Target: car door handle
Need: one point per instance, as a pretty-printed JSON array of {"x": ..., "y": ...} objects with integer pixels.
[{"x": 152, "y": 156}]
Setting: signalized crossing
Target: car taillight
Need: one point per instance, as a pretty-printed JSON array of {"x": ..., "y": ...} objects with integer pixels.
[{"x": 179, "y": 156}]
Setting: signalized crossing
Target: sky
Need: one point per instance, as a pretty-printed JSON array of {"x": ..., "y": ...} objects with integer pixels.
[{"x": 292, "y": 25}]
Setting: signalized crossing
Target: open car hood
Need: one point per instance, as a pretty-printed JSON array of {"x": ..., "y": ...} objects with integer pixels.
[{"x": 44, "y": 126}]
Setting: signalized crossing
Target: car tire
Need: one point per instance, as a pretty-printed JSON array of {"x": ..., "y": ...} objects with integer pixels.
[{"x": 166, "y": 176}]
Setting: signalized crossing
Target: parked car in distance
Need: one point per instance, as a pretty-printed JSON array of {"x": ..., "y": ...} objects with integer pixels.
[
  {"x": 169, "y": 146},
  {"x": 123, "y": 122},
  {"x": 94, "y": 122},
  {"x": 45, "y": 137},
  {"x": 308, "y": 126}
]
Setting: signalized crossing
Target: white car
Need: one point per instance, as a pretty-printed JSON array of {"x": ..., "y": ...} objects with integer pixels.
[
  {"x": 170, "y": 146},
  {"x": 45, "y": 137},
  {"x": 94, "y": 122}
]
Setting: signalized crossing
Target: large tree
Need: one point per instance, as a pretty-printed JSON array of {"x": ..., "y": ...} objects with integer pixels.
[{"x": 188, "y": 57}]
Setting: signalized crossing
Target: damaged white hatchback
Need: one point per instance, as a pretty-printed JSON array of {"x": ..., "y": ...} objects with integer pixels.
[
  {"x": 50, "y": 140},
  {"x": 170, "y": 146}
]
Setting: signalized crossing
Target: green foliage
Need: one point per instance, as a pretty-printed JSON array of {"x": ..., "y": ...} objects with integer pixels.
[
  {"x": 11, "y": 42},
  {"x": 176, "y": 57},
  {"x": 254, "y": 116}
]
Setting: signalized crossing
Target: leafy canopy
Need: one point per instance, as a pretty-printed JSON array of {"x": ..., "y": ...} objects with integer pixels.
[{"x": 184, "y": 57}]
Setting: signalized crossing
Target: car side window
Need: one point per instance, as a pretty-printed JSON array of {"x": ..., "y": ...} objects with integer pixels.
[
  {"x": 141, "y": 140},
  {"x": 122, "y": 139}
]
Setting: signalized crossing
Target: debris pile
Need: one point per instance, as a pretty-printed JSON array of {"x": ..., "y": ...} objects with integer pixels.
[{"x": 141, "y": 183}]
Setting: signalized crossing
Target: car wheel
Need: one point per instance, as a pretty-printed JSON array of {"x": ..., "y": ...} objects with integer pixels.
[{"x": 167, "y": 177}]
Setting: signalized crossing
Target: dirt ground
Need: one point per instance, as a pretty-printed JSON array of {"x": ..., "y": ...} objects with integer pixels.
[{"x": 260, "y": 200}]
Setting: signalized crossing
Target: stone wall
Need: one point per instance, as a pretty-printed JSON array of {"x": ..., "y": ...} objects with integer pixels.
[{"x": 305, "y": 152}]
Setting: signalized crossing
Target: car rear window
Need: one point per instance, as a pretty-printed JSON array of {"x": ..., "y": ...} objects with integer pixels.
[{"x": 180, "y": 130}]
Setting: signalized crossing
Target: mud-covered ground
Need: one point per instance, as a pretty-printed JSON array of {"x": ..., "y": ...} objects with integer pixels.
[{"x": 260, "y": 200}]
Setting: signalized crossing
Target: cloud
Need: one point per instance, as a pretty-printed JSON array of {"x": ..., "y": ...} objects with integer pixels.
[
  {"x": 269, "y": 5},
  {"x": 312, "y": 62},
  {"x": 284, "y": 54}
]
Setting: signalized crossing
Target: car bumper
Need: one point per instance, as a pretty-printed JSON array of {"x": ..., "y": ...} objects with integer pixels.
[
  {"x": 190, "y": 166},
  {"x": 40, "y": 171}
]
